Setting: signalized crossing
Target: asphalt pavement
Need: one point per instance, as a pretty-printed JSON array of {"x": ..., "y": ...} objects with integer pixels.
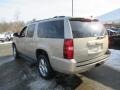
[{"x": 22, "y": 75}]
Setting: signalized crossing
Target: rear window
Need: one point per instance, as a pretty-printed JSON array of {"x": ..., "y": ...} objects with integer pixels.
[{"x": 87, "y": 29}]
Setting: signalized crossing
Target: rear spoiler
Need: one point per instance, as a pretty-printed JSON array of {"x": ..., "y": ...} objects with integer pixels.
[{"x": 84, "y": 19}]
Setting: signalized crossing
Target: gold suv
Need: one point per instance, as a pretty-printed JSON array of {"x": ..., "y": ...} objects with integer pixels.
[{"x": 64, "y": 44}]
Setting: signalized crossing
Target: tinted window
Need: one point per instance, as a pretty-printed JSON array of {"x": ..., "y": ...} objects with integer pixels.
[
  {"x": 87, "y": 29},
  {"x": 51, "y": 29},
  {"x": 30, "y": 30}
]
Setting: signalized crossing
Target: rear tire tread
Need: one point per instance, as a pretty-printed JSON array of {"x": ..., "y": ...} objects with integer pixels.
[{"x": 51, "y": 73}]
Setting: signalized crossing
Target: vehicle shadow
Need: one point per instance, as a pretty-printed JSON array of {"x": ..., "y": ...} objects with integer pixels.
[
  {"x": 22, "y": 75},
  {"x": 105, "y": 75}
]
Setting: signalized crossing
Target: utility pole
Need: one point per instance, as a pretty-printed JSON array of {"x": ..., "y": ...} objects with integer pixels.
[{"x": 72, "y": 8}]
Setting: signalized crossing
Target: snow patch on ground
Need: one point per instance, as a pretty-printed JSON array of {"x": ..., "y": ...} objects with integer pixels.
[
  {"x": 114, "y": 60},
  {"x": 6, "y": 42}
]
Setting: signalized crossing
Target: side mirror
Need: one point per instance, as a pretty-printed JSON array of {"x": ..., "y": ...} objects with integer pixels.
[{"x": 16, "y": 35}]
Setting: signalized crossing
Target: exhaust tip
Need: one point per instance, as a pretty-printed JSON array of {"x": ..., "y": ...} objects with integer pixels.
[{"x": 99, "y": 64}]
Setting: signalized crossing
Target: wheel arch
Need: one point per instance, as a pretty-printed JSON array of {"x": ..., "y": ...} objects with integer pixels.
[{"x": 42, "y": 52}]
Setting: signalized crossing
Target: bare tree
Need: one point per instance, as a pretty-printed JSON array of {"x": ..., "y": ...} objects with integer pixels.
[
  {"x": 18, "y": 25},
  {"x": 14, "y": 26}
]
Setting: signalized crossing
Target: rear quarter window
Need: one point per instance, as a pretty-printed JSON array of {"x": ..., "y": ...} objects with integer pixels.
[{"x": 51, "y": 29}]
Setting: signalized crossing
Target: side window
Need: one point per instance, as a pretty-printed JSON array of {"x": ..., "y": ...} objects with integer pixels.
[
  {"x": 22, "y": 33},
  {"x": 30, "y": 30},
  {"x": 51, "y": 29}
]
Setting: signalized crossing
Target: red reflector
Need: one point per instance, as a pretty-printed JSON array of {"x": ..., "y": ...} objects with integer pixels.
[{"x": 68, "y": 49}]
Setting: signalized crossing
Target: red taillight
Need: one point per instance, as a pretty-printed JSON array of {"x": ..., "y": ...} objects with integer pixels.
[{"x": 68, "y": 49}]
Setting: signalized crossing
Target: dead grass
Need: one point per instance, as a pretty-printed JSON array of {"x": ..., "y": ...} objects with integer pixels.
[{"x": 5, "y": 50}]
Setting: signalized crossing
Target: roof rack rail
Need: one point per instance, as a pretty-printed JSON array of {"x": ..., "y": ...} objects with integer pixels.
[{"x": 58, "y": 16}]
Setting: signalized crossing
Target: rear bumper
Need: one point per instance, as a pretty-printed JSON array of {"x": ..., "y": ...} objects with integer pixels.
[
  {"x": 71, "y": 67},
  {"x": 84, "y": 68}
]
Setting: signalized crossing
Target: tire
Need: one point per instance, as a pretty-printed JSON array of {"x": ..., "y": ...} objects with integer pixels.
[
  {"x": 44, "y": 68},
  {"x": 15, "y": 52}
]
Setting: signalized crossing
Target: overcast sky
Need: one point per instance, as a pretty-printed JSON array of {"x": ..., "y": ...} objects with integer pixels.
[{"x": 40, "y": 9}]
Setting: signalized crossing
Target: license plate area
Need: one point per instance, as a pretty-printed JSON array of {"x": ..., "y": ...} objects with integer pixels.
[{"x": 95, "y": 48}]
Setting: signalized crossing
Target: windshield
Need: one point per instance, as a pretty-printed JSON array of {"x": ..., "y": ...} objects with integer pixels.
[{"x": 87, "y": 29}]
